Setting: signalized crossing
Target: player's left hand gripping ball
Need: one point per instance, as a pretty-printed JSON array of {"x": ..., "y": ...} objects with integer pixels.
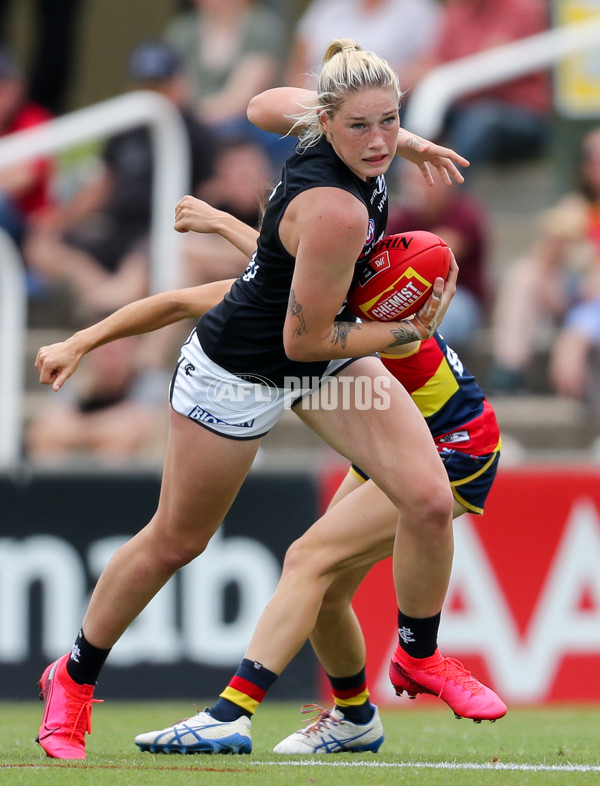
[{"x": 398, "y": 278}]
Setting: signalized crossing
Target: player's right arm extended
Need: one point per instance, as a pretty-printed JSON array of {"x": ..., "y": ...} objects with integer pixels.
[{"x": 56, "y": 362}]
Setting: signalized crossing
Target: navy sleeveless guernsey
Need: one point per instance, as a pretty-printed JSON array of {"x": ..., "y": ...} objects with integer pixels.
[{"x": 244, "y": 333}]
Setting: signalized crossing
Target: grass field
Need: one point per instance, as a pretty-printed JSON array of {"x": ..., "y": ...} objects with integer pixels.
[{"x": 425, "y": 746}]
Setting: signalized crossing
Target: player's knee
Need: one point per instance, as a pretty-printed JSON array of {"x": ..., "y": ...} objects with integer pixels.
[
  {"x": 175, "y": 552},
  {"x": 178, "y": 556},
  {"x": 296, "y": 556},
  {"x": 305, "y": 559},
  {"x": 430, "y": 506}
]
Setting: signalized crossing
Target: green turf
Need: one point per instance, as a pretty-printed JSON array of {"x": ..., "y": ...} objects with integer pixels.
[{"x": 417, "y": 740}]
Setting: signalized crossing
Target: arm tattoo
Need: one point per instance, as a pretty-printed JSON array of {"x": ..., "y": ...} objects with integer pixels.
[
  {"x": 341, "y": 331},
  {"x": 410, "y": 140},
  {"x": 405, "y": 334},
  {"x": 295, "y": 309}
]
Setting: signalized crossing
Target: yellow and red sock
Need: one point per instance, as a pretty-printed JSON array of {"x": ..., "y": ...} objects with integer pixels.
[
  {"x": 351, "y": 696},
  {"x": 245, "y": 691}
]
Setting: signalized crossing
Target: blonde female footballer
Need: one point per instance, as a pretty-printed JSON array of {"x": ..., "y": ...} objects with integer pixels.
[{"x": 284, "y": 318}]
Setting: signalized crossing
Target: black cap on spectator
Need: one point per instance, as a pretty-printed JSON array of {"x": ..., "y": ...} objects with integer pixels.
[{"x": 153, "y": 61}]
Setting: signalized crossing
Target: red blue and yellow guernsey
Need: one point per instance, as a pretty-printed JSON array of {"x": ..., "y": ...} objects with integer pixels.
[{"x": 455, "y": 408}]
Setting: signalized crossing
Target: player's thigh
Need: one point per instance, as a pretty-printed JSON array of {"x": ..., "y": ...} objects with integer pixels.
[
  {"x": 348, "y": 484},
  {"x": 388, "y": 439},
  {"x": 202, "y": 475}
]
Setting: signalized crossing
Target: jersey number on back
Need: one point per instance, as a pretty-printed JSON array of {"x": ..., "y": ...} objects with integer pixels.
[{"x": 252, "y": 269}]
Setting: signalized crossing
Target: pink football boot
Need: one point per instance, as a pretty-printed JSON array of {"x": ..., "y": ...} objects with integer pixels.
[
  {"x": 448, "y": 679},
  {"x": 67, "y": 712}
]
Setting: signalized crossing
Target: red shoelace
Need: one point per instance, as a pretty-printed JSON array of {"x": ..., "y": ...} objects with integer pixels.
[{"x": 322, "y": 720}]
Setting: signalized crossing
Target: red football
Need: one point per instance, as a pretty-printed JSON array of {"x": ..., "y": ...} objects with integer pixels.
[{"x": 398, "y": 277}]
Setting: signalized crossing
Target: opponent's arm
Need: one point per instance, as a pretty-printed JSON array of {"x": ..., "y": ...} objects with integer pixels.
[
  {"x": 56, "y": 362},
  {"x": 274, "y": 110},
  {"x": 195, "y": 215}
]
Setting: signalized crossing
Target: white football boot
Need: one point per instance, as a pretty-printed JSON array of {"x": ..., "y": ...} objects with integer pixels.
[
  {"x": 330, "y": 732},
  {"x": 200, "y": 734}
]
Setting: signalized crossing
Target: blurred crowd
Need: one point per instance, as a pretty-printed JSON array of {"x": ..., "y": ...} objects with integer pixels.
[{"x": 89, "y": 243}]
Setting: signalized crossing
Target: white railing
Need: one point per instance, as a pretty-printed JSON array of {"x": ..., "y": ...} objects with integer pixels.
[
  {"x": 13, "y": 302},
  {"x": 435, "y": 93},
  {"x": 170, "y": 182},
  {"x": 171, "y": 153}
]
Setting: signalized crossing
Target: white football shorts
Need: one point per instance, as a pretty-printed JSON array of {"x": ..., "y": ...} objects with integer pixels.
[{"x": 235, "y": 407}]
